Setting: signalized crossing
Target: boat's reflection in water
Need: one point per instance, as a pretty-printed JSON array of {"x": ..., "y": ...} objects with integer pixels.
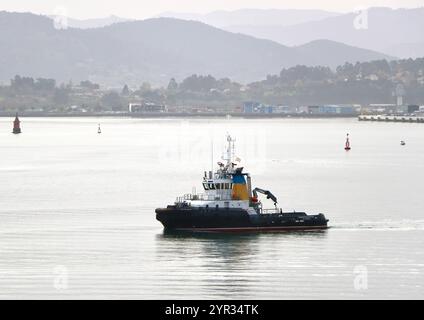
[
  {"x": 230, "y": 265},
  {"x": 175, "y": 234}
]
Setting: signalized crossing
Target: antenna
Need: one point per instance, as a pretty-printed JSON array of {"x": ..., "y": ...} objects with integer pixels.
[
  {"x": 212, "y": 154},
  {"x": 229, "y": 155}
]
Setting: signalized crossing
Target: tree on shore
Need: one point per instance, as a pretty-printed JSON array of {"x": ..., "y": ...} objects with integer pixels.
[{"x": 125, "y": 91}]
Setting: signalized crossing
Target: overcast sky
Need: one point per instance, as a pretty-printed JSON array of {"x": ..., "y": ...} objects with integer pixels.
[{"x": 139, "y": 9}]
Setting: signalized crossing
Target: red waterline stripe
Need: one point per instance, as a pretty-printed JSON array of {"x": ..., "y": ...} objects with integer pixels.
[{"x": 244, "y": 229}]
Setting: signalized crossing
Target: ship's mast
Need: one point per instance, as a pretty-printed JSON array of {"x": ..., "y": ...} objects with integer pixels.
[
  {"x": 230, "y": 151},
  {"x": 212, "y": 155}
]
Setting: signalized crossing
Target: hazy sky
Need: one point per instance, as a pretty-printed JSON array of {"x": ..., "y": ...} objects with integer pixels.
[{"x": 144, "y": 8}]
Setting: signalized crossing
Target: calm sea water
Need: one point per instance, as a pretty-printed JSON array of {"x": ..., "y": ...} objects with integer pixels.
[{"x": 77, "y": 210}]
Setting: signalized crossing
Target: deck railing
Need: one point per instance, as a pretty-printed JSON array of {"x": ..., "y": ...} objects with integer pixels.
[
  {"x": 269, "y": 211},
  {"x": 203, "y": 197}
]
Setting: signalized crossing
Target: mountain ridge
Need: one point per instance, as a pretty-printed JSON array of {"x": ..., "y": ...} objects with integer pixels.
[
  {"x": 386, "y": 29},
  {"x": 222, "y": 18},
  {"x": 152, "y": 50}
]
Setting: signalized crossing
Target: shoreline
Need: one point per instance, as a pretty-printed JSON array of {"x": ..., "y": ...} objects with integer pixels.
[{"x": 176, "y": 115}]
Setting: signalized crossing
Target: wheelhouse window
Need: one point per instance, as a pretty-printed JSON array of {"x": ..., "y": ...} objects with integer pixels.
[{"x": 206, "y": 186}]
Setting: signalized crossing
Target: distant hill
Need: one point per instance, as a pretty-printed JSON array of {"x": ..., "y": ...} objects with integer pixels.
[
  {"x": 333, "y": 53},
  {"x": 254, "y": 17},
  {"x": 407, "y": 50},
  {"x": 93, "y": 23},
  {"x": 153, "y": 50},
  {"x": 395, "y": 32}
]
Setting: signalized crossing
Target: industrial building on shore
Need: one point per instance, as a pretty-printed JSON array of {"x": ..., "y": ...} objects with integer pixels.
[{"x": 255, "y": 107}]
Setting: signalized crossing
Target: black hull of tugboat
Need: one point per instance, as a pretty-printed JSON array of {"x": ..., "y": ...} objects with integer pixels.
[{"x": 236, "y": 220}]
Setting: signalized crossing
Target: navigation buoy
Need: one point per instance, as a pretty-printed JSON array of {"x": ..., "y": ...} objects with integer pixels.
[
  {"x": 16, "y": 125},
  {"x": 99, "y": 130},
  {"x": 347, "y": 144}
]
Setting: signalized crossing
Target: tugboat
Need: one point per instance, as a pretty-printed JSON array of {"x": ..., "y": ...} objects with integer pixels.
[
  {"x": 16, "y": 125},
  {"x": 230, "y": 205}
]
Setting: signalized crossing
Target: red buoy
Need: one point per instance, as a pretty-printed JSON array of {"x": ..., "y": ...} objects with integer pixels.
[
  {"x": 16, "y": 125},
  {"x": 347, "y": 144}
]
